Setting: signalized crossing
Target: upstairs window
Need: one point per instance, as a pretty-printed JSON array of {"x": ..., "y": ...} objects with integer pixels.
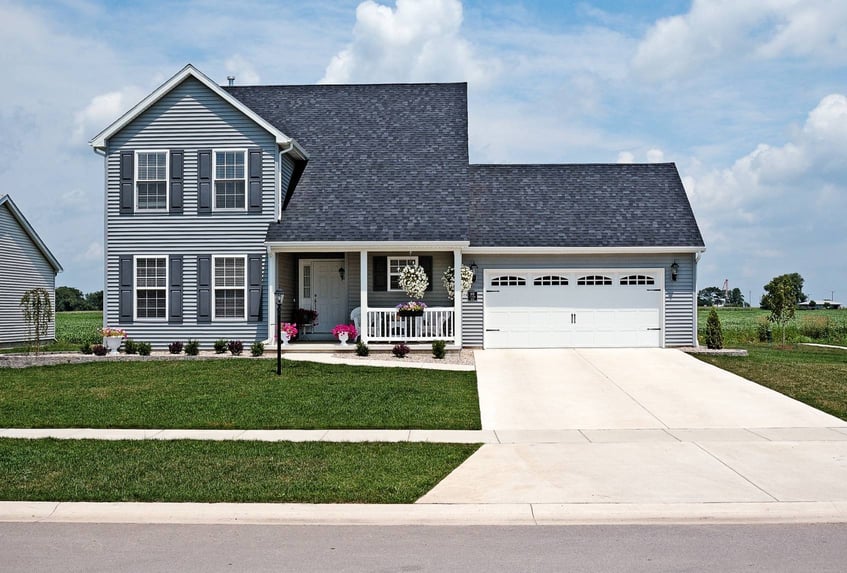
[
  {"x": 594, "y": 280},
  {"x": 151, "y": 287},
  {"x": 395, "y": 267},
  {"x": 230, "y": 286},
  {"x": 151, "y": 181},
  {"x": 230, "y": 179}
]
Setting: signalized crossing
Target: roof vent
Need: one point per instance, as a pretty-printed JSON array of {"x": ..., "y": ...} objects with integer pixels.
[{"x": 231, "y": 80}]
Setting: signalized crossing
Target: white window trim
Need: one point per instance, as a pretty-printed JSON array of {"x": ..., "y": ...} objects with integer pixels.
[
  {"x": 215, "y": 288},
  {"x": 135, "y": 181},
  {"x": 388, "y": 268},
  {"x": 215, "y": 179},
  {"x": 166, "y": 288}
]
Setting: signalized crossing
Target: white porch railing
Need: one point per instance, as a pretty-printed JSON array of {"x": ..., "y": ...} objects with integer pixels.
[{"x": 384, "y": 325}]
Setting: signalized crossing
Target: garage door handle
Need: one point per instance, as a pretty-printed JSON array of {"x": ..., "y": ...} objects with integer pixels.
[
  {"x": 654, "y": 328},
  {"x": 492, "y": 330},
  {"x": 492, "y": 291},
  {"x": 654, "y": 290}
]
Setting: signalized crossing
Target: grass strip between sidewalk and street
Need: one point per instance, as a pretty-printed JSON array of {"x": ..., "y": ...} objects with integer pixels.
[
  {"x": 207, "y": 471},
  {"x": 812, "y": 375},
  {"x": 236, "y": 394}
]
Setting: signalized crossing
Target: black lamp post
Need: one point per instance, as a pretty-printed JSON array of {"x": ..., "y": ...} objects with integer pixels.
[{"x": 280, "y": 295}]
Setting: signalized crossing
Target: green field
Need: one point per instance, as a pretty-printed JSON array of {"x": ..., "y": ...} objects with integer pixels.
[
  {"x": 77, "y": 328},
  {"x": 744, "y": 326}
]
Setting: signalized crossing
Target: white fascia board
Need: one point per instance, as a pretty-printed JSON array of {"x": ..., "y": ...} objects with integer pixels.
[
  {"x": 99, "y": 141},
  {"x": 579, "y": 250},
  {"x": 30, "y": 231},
  {"x": 327, "y": 246}
]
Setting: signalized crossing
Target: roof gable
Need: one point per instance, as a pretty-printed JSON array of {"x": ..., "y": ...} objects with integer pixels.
[
  {"x": 6, "y": 201},
  {"x": 99, "y": 141}
]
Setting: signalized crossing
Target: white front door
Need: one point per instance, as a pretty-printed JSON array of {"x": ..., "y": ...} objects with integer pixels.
[{"x": 322, "y": 289}]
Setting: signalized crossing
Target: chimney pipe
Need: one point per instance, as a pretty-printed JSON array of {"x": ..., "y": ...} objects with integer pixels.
[{"x": 231, "y": 80}]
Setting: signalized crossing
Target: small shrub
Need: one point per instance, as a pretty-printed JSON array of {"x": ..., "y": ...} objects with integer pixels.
[
  {"x": 144, "y": 348},
  {"x": 257, "y": 348},
  {"x": 175, "y": 347},
  {"x": 86, "y": 348},
  {"x": 235, "y": 347},
  {"x": 439, "y": 349},
  {"x": 99, "y": 350},
  {"x": 400, "y": 350},
  {"x": 220, "y": 346},
  {"x": 714, "y": 334},
  {"x": 362, "y": 349},
  {"x": 763, "y": 330},
  {"x": 130, "y": 346},
  {"x": 816, "y": 327},
  {"x": 192, "y": 348}
]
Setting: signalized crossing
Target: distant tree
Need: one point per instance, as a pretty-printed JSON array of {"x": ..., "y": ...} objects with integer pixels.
[
  {"x": 782, "y": 300},
  {"x": 794, "y": 283},
  {"x": 714, "y": 332},
  {"x": 68, "y": 299},
  {"x": 94, "y": 300},
  {"x": 736, "y": 298},
  {"x": 709, "y": 296}
]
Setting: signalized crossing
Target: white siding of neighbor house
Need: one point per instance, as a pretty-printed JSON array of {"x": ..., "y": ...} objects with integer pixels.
[
  {"x": 190, "y": 118},
  {"x": 22, "y": 267},
  {"x": 679, "y": 295}
]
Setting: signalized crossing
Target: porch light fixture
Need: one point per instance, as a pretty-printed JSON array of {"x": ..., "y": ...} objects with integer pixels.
[
  {"x": 473, "y": 268},
  {"x": 280, "y": 296},
  {"x": 674, "y": 270},
  {"x": 341, "y": 272}
]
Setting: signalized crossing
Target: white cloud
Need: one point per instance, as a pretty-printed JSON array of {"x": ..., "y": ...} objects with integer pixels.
[
  {"x": 655, "y": 155},
  {"x": 767, "y": 29},
  {"x": 418, "y": 40},
  {"x": 244, "y": 72},
  {"x": 102, "y": 110},
  {"x": 626, "y": 157},
  {"x": 92, "y": 253}
]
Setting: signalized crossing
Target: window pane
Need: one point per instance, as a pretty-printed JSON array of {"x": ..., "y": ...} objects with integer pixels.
[
  {"x": 152, "y": 166},
  {"x": 229, "y": 272},
  {"x": 229, "y": 194},
  {"x": 229, "y": 165},
  {"x": 151, "y": 273},
  {"x": 229, "y": 303},
  {"x": 150, "y": 303},
  {"x": 152, "y": 195}
]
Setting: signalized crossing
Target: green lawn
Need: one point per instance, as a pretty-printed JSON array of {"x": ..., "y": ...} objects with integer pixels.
[
  {"x": 200, "y": 471},
  {"x": 236, "y": 393},
  {"x": 816, "y": 376},
  {"x": 741, "y": 326}
]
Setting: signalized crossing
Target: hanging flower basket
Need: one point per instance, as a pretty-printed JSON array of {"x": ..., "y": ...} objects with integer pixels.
[
  {"x": 449, "y": 283},
  {"x": 411, "y": 308},
  {"x": 414, "y": 281}
]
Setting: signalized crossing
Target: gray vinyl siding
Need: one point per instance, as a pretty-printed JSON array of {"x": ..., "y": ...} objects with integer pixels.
[
  {"x": 679, "y": 295},
  {"x": 190, "y": 118},
  {"x": 22, "y": 267}
]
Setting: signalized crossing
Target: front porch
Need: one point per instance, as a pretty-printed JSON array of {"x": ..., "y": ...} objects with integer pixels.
[{"x": 360, "y": 287}]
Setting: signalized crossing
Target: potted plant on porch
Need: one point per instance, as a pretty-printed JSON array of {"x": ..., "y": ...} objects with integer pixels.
[
  {"x": 345, "y": 332},
  {"x": 411, "y": 308},
  {"x": 287, "y": 331}
]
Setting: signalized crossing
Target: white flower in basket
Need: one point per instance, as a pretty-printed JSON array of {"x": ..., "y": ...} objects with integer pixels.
[
  {"x": 414, "y": 281},
  {"x": 449, "y": 282}
]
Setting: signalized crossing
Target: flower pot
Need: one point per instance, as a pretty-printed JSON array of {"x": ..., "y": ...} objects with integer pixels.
[
  {"x": 285, "y": 338},
  {"x": 408, "y": 313},
  {"x": 112, "y": 343},
  {"x": 342, "y": 338}
]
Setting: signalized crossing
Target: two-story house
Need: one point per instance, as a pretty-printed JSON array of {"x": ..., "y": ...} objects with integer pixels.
[{"x": 218, "y": 196}]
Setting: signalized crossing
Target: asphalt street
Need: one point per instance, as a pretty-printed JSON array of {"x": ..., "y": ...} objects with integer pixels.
[{"x": 209, "y": 548}]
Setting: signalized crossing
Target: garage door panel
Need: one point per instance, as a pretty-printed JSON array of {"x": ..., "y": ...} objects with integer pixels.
[{"x": 537, "y": 314}]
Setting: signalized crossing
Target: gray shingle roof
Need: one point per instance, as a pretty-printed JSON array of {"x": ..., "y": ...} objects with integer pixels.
[
  {"x": 386, "y": 162},
  {"x": 587, "y": 205}
]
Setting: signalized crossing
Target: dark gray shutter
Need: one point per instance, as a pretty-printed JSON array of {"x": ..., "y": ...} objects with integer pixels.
[
  {"x": 254, "y": 287},
  {"x": 125, "y": 289},
  {"x": 177, "y": 160},
  {"x": 127, "y": 203},
  {"x": 204, "y": 288},
  {"x": 204, "y": 181},
  {"x": 254, "y": 181},
  {"x": 380, "y": 265},
  {"x": 426, "y": 263},
  {"x": 175, "y": 289}
]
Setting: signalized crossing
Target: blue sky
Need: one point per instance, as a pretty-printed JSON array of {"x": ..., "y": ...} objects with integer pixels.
[{"x": 747, "y": 98}]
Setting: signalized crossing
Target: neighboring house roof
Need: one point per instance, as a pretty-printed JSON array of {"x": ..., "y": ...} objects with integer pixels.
[
  {"x": 580, "y": 205},
  {"x": 99, "y": 141},
  {"x": 6, "y": 201},
  {"x": 387, "y": 162}
]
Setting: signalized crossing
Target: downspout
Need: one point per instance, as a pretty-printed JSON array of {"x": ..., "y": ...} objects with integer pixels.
[
  {"x": 272, "y": 286},
  {"x": 102, "y": 153}
]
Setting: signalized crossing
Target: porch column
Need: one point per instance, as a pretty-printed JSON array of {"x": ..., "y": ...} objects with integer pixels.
[
  {"x": 457, "y": 296},
  {"x": 363, "y": 294},
  {"x": 272, "y": 282}
]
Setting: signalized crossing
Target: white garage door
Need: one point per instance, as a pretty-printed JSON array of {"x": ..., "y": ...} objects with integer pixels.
[{"x": 596, "y": 308}]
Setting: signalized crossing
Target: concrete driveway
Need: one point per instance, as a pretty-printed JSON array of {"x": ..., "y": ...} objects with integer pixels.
[{"x": 642, "y": 426}]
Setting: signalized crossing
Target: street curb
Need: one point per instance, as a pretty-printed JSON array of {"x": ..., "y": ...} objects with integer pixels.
[{"x": 424, "y": 514}]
